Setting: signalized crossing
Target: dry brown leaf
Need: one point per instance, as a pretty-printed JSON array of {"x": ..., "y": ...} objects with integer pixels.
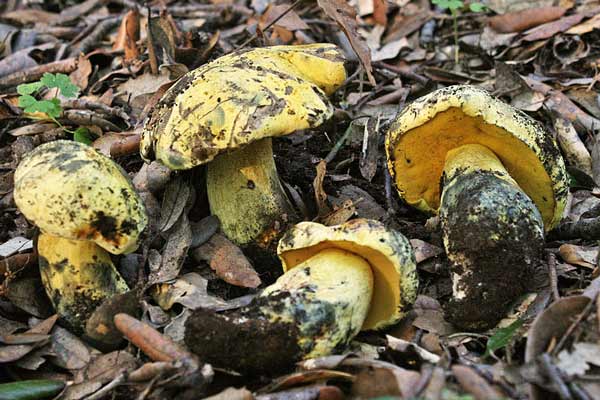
[
  {"x": 128, "y": 34},
  {"x": 228, "y": 262},
  {"x": 343, "y": 13},
  {"x": 377, "y": 382},
  {"x": 340, "y": 214},
  {"x": 550, "y": 29},
  {"x": 320, "y": 195},
  {"x": 81, "y": 75},
  {"x": 424, "y": 251},
  {"x": 585, "y": 27},
  {"x": 583, "y": 256},
  {"x": 525, "y": 19},
  {"x": 474, "y": 384},
  {"x": 572, "y": 146},
  {"x": 290, "y": 21}
]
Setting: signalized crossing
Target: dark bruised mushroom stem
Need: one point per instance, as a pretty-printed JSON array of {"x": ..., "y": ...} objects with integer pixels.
[{"x": 493, "y": 234}]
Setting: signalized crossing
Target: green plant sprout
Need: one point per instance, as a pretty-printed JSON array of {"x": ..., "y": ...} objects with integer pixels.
[
  {"x": 52, "y": 108},
  {"x": 454, "y": 6}
]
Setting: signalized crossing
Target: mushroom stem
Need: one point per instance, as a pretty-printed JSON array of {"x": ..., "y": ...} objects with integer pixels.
[
  {"x": 78, "y": 276},
  {"x": 244, "y": 191},
  {"x": 493, "y": 234},
  {"x": 313, "y": 309}
]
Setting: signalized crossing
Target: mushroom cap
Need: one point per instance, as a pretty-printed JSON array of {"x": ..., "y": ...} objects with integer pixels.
[
  {"x": 424, "y": 131},
  {"x": 70, "y": 190},
  {"x": 242, "y": 97},
  {"x": 388, "y": 252}
]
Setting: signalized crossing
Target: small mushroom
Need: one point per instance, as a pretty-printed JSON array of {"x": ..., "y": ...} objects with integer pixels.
[
  {"x": 497, "y": 179},
  {"x": 338, "y": 280},
  {"x": 86, "y": 208},
  {"x": 225, "y": 113}
]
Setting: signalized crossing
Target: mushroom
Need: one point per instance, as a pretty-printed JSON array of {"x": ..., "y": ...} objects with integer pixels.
[
  {"x": 226, "y": 112},
  {"x": 497, "y": 179},
  {"x": 86, "y": 208},
  {"x": 338, "y": 280}
]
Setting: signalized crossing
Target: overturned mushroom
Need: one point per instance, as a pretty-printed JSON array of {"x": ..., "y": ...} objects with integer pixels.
[
  {"x": 228, "y": 110},
  {"x": 497, "y": 179},
  {"x": 338, "y": 281},
  {"x": 85, "y": 207}
]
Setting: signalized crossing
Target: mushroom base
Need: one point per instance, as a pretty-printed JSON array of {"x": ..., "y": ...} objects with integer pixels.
[
  {"x": 78, "y": 276},
  {"x": 493, "y": 235},
  {"x": 244, "y": 192},
  {"x": 313, "y": 310}
]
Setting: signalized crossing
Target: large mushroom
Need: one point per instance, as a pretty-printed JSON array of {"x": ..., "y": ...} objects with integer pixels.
[
  {"x": 498, "y": 181},
  {"x": 225, "y": 113},
  {"x": 86, "y": 208},
  {"x": 338, "y": 280}
]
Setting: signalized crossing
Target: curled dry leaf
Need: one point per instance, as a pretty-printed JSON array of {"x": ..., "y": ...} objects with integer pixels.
[
  {"x": 320, "y": 195},
  {"x": 583, "y": 256},
  {"x": 525, "y": 19},
  {"x": 572, "y": 146},
  {"x": 343, "y": 13},
  {"x": 190, "y": 290},
  {"x": 228, "y": 261}
]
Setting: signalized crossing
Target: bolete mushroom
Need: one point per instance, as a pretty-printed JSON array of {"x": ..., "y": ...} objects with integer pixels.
[
  {"x": 226, "y": 112},
  {"x": 338, "y": 280},
  {"x": 86, "y": 208},
  {"x": 498, "y": 181}
]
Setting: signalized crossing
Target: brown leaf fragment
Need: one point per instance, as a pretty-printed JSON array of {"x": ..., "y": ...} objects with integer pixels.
[
  {"x": 14, "y": 352},
  {"x": 340, "y": 214},
  {"x": 228, "y": 261},
  {"x": 232, "y": 394},
  {"x": 71, "y": 353},
  {"x": 290, "y": 21},
  {"x": 550, "y": 29},
  {"x": 585, "y": 27},
  {"x": 474, "y": 384},
  {"x": 424, "y": 251},
  {"x": 572, "y": 146},
  {"x": 374, "y": 382},
  {"x": 370, "y": 149},
  {"x": 320, "y": 195},
  {"x": 525, "y": 19},
  {"x": 345, "y": 15},
  {"x": 155, "y": 345},
  {"x": 583, "y": 256},
  {"x": 128, "y": 35},
  {"x": 118, "y": 144}
]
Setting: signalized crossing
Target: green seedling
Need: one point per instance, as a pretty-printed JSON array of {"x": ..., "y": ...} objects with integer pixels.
[
  {"x": 502, "y": 337},
  {"x": 52, "y": 108},
  {"x": 454, "y": 6}
]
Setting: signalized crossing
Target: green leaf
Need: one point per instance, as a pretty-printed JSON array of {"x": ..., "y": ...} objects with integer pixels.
[
  {"x": 62, "y": 82},
  {"x": 30, "y": 390},
  {"x": 451, "y": 5},
  {"x": 83, "y": 135},
  {"x": 476, "y": 7},
  {"x": 50, "y": 107},
  {"x": 502, "y": 337},
  {"x": 28, "y": 88},
  {"x": 27, "y": 101}
]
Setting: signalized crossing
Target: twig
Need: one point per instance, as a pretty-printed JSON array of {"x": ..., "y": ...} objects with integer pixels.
[
  {"x": 283, "y": 14},
  {"x": 99, "y": 31},
  {"x": 83, "y": 104},
  {"x": 553, "y": 373},
  {"x": 120, "y": 379},
  {"x": 588, "y": 229},
  {"x": 403, "y": 72},
  {"x": 552, "y": 274},
  {"x": 35, "y": 73}
]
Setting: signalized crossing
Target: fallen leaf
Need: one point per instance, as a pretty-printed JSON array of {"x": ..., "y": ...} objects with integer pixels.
[
  {"x": 474, "y": 383},
  {"x": 525, "y": 19},
  {"x": 232, "y": 394},
  {"x": 578, "y": 361},
  {"x": 550, "y": 29},
  {"x": 228, "y": 261},
  {"x": 190, "y": 290},
  {"x": 174, "y": 251},
  {"x": 572, "y": 146},
  {"x": 585, "y": 27},
  {"x": 340, "y": 214},
  {"x": 290, "y": 21},
  {"x": 377, "y": 381},
  {"x": 583, "y": 256},
  {"x": 320, "y": 195},
  {"x": 343, "y": 13},
  {"x": 424, "y": 251},
  {"x": 15, "y": 245},
  {"x": 177, "y": 194},
  {"x": 70, "y": 352},
  {"x": 389, "y": 50}
]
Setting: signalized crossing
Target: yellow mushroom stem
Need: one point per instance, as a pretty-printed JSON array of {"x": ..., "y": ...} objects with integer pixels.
[
  {"x": 78, "y": 276},
  {"x": 312, "y": 310},
  {"x": 244, "y": 191},
  {"x": 493, "y": 234}
]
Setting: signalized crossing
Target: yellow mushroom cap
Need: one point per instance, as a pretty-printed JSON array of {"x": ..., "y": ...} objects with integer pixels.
[
  {"x": 70, "y": 190},
  {"x": 424, "y": 132},
  {"x": 240, "y": 98},
  {"x": 388, "y": 252}
]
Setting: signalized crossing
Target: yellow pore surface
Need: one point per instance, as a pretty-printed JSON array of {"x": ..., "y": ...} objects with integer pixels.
[
  {"x": 420, "y": 155},
  {"x": 388, "y": 253}
]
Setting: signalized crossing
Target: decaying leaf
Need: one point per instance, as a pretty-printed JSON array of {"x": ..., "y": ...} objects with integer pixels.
[{"x": 583, "y": 256}]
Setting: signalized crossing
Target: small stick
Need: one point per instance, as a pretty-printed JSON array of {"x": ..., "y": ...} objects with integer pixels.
[
  {"x": 35, "y": 73},
  {"x": 553, "y": 278},
  {"x": 554, "y": 374}
]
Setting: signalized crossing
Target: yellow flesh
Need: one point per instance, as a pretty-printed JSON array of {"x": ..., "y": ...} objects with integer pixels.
[
  {"x": 77, "y": 275},
  {"x": 471, "y": 158},
  {"x": 386, "y": 297},
  {"x": 421, "y": 153},
  {"x": 332, "y": 276}
]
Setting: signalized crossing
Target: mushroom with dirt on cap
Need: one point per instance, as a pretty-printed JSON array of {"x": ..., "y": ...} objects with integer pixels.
[
  {"x": 497, "y": 179},
  {"x": 338, "y": 280},
  {"x": 86, "y": 208},
  {"x": 225, "y": 113}
]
